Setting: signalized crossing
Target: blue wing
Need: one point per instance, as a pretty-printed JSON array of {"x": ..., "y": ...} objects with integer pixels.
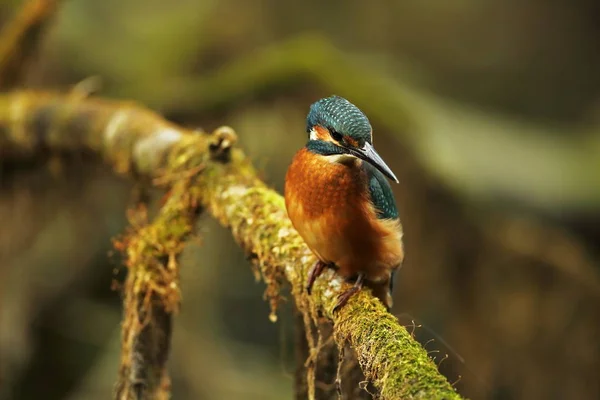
[
  {"x": 381, "y": 193},
  {"x": 383, "y": 201}
]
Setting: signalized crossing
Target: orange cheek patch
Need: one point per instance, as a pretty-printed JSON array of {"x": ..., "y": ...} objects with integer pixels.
[{"x": 322, "y": 133}]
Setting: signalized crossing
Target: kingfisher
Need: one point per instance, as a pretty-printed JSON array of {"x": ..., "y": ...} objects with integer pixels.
[{"x": 338, "y": 198}]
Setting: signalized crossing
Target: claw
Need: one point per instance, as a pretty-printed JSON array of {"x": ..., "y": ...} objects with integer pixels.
[
  {"x": 345, "y": 296},
  {"x": 314, "y": 273}
]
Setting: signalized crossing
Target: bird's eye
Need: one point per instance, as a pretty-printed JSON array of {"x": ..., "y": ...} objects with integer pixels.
[{"x": 336, "y": 135}]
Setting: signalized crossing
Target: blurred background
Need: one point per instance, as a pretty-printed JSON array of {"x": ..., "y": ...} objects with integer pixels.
[{"x": 487, "y": 110}]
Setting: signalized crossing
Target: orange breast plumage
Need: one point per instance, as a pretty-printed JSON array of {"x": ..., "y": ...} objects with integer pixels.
[{"x": 329, "y": 205}]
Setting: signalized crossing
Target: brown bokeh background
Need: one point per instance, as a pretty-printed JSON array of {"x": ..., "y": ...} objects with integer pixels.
[{"x": 487, "y": 110}]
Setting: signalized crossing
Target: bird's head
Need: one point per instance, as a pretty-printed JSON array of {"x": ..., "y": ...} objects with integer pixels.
[{"x": 337, "y": 129}]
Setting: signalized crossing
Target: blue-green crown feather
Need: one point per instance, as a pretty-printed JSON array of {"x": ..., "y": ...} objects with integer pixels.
[{"x": 338, "y": 114}]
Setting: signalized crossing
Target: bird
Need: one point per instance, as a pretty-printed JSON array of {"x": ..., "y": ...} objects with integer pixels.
[{"x": 340, "y": 202}]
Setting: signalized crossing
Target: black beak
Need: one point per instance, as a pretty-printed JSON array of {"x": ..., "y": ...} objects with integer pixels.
[{"x": 369, "y": 154}]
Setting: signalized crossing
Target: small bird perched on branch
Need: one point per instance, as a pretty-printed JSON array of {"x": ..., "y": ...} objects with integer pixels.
[{"x": 340, "y": 202}]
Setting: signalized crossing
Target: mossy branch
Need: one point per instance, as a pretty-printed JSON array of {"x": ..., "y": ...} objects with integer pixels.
[
  {"x": 152, "y": 293},
  {"x": 136, "y": 140}
]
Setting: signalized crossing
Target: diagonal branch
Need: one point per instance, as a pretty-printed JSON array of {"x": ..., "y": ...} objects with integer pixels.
[{"x": 138, "y": 141}]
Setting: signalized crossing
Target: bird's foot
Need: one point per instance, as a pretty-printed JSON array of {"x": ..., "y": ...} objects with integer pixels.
[
  {"x": 345, "y": 296},
  {"x": 314, "y": 273}
]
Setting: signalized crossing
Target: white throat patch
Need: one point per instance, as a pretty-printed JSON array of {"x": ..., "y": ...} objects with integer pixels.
[
  {"x": 313, "y": 135},
  {"x": 343, "y": 159}
]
